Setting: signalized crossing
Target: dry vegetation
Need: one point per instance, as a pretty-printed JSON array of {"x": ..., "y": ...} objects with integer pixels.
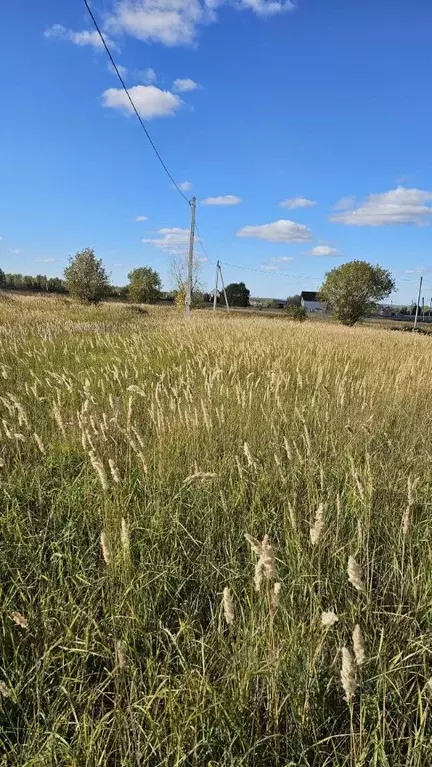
[{"x": 139, "y": 626}]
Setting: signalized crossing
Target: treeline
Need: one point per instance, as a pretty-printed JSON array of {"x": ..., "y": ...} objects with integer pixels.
[{"x": 23, "y": 282}]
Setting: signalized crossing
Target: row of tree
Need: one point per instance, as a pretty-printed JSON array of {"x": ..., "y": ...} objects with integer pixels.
[{"x": 350, "y": 290}]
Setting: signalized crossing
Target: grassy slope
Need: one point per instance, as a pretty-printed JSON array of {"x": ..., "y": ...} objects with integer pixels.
[{"x": 331, "y": 415}]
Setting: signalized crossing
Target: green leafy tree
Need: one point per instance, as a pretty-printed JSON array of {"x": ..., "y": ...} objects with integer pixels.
[
  {"x": 296, "y": 312},
  {"x": 237, "y": 294},
  {"x": 2, "y": 279},
  {"x": 293, "y": 300},
  {"x": 86, "y": 277},
  {"x": 144, "y": 285},
  {"x": 353, "y": 289}
]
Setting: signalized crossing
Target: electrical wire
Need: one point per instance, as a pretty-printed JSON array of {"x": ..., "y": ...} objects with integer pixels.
[{"x": 152, "y": 144}]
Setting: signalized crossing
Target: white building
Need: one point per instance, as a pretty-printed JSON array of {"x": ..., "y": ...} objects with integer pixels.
[{"x": 309, "y": 300}]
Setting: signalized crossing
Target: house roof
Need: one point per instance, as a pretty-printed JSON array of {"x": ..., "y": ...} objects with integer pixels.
[{"x": 309, "y": 295}]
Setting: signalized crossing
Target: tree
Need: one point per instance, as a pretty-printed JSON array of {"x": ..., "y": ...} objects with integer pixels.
[
  {"x": 179, "y": 275},
  {"x": 296, "y": 312},
  {"x": 144, "y": 285},
  {"x": 2, "y": 279},
  {"x": 293, "y": 300},
  {"x": 86, "y": 277},
  {"x": 353, "y": 289},
  {"x": 237, "y": 294}
]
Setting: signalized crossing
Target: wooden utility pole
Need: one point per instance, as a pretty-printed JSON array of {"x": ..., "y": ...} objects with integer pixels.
[
  {"x": 418, "y": 303},
  {"x": 216, "y": 287},
  {"x": 190, "y": 260},
  {"x": 223, "y": 288}
]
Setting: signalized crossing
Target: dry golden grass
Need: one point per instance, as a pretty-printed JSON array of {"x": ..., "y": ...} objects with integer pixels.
[{"x": 136, "y": 451}]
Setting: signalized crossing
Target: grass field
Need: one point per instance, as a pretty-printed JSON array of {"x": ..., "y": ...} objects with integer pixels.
[{"x": 136, "y": 452}]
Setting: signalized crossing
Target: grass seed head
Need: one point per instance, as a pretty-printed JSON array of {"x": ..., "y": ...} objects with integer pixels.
[
  {"x": 5, "y": 692},
  {"x": 228, "y": 606},
  {"x": 348, "y": 678},
  {"x": 19, "y": 620},
  {"x": 355, "y": 574},
  {"x": 328, "y": 618},
  {"x": 125, "y": 538},
  {"x": 105, "y": 548},
  {"x": 318, "y": 526},
  {"x": 358, "y": 645}
]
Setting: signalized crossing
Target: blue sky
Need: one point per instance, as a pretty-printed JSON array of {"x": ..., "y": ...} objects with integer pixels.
[{"x": 322, "y": 105}]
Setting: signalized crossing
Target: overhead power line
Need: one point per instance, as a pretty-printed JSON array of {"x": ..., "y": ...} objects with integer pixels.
[{"x": 141, "y": 122}]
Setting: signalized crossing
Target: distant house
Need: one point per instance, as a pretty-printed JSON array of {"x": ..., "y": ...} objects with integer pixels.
[{"x": 309, "y": 300}]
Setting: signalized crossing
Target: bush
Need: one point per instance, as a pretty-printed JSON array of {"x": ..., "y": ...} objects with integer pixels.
[{"x": 296, "y": 313}]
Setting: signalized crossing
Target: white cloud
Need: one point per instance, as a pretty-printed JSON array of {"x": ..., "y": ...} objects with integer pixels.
[
  {"x": 84, "y": 37},
  {"x": 176, "y": 22},
  {"x": 345, "y": 203},
  {"x": 1, "y": 238},
  {"x": 269, "y": 268},
  {"x": 226, "y": 199},
  {"x": 398, "y": 206},
  {"x": 15, "y": 251},
  {"x": 45, "y": 260},
  {"x": 182, "y": 85},
  {"x": 123, "y": 71},
  {"x": 171, "y": 240},
  {"x": 185, "y": 186},
  {"x": 141, "y": 218},
  {"x": 147, "y": 76},
  {"x": 150, "y": 101},
  {"x": 282, "y": 259},
  {"x": 324, "y": 250},
  {"x": 268, "y": 7},
  {"x": 278, "y": 231},
  {"x": 297, "y": 202}
]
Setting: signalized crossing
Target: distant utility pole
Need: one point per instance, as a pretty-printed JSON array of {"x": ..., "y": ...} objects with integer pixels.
[
  {"x": 190, "y": 260},
  {"x": 418, "y": 302},
  {"x": 216, "y": 287}
]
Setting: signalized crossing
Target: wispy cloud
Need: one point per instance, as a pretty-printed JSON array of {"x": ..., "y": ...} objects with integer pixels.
[
  {"x": 172, "y": 240},
  {"x": 324, "y": 250},
  {"x": 123, "y": 71},
  {"x": 398, "y": 206},
  {"x": 46, "y": 261},
  {"x": 146, "y": 76},
  {"x": 183, "y": 85},
  {"x": 15, "y": 251},
  {"x": 297, "y": 202},
  {"x": 226, "y": 199},
  {"x": 277, "y": 231},
  {"x": 81, "y": 38},
  {"x": 282, "y": 259},
  {"x": 185, "y": 186},
  {"x": 141, "y": 218}
]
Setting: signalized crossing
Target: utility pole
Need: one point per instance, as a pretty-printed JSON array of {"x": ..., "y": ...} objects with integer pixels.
[
  {"x": 418, "y": 302},
  {"x": 223, "y": 288},
  {"x": 190, "y": 260},
  {"x": 216, "y": 287}
]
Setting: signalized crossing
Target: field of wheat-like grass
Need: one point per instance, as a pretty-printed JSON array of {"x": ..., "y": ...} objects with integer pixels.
[{"x": 215, "y": 541}]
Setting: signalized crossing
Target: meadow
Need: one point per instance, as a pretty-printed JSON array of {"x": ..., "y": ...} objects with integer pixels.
[{"x": 139, "y": 626}]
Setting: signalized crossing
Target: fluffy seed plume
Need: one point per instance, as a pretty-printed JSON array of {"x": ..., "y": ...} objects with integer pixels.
[
  {"x": 254, "y": 544},
  {"x": 228, "y": 606},
  {"x": 120, "y": 654},
  {"x": 328, "y": 618},
  {"x": 39, "y": 443},
  {"x": 125, "y": 538},
  {"x": 268, "y": 559},
  {"x": 348, "y": 675},
  {"x": 99, "y": 469},
  {"x": 358, "y": 645},
  {"x": 407, "y": 520},
  {"x": 355, "y": 574},
  {"x": 318, "y": 526},
  {"x": 249, "y": 457},
  {"x": 258, "y": 576},
  {"x": 19, "y": 620},
  {"x": 4, "y": 690},
  {"x": 114, "y": 470},
  {"x": 275, "y": 597},
  {"x": 105, "y": 548}
]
